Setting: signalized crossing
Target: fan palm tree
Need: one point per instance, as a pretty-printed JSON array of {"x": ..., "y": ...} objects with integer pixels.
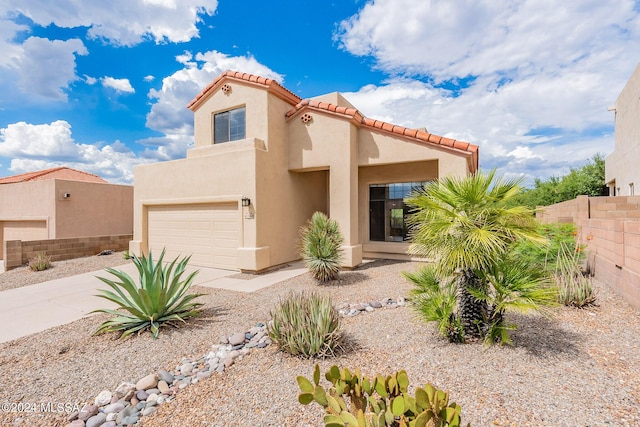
[{"x": 466, "y": 226}]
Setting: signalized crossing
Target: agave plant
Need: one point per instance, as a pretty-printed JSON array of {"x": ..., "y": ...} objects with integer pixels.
[
  {"x": 160, "y": 298},
  {"x": 321, "y": 242}
]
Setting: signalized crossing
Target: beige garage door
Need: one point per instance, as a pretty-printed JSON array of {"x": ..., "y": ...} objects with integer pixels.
[
  {"x": 209, "y": 233},
  {"x": 22, "y": 230}
]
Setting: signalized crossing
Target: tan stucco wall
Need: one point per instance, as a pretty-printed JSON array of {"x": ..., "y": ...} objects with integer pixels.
[
  {"x": 289, "y": 169},
  {"x": 257, "y": 120},
  {"x": 93, "y": 209},
  {"x": 378, "y": 148},
  {"x": 284, "y": 200},
  {"x": 216, "y": 178},
  {"x": 27, "y": 210},
  {"x": 37, "y": 210},
  {"x": 29, "y": 201},
  {"x": 622, "y": 164}
]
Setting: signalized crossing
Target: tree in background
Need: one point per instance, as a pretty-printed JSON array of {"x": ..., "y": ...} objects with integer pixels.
[{"x": 587, "y": 180}]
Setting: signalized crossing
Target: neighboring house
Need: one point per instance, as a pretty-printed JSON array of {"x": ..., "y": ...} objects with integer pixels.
[
  {"x": 621, "y": 166},
  {"x": 265, "y": 160},
  {"x": 62, "y": 203}
]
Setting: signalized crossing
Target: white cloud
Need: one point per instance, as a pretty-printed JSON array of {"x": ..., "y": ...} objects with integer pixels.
[
  {"x": 529, "y": 81},
  {"x": 119, "y": 85},
  {"x": 121, "y": 22},
  {"x": 149, "y": 78},
  {"x": 169, "y": 114},
  {"x": 46, "y": 67},
  {"x": 32, "y": 147}
]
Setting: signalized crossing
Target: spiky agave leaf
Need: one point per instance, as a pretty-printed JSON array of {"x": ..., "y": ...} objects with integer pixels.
[{"x": 159, "y": 298}]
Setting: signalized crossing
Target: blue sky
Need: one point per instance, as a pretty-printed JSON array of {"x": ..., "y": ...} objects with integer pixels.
[{"x": 103, "y": 86}]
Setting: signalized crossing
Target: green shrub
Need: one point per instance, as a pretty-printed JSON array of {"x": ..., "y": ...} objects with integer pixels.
[
  {"x": 575, "y": 289},
  {"x": 126, "y": 254},
  {"x": 320, "y": 246},
  {"x": 160, "y": 298},
  {"x": 306, "y": 325},
  {"x": 357, "y": 401},
  {"x": 40, "y": 262},
  {"x": 544, "y": 256}
]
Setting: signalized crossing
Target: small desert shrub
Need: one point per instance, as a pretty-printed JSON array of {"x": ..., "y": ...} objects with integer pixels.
[
  {"x": 159, "y": 298},
  {"x": 574, "y": 288},
  {"x": 320, "y": 246},
  {"x": 126, "y": 255},
  {"x": 306, "y": 325},
  {"x": 40, "y": 262}
]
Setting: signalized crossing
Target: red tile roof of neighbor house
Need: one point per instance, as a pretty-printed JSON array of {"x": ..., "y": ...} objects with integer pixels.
[
  {"x": 62, "y": 172},
  {"x": 416, "y": 135}
]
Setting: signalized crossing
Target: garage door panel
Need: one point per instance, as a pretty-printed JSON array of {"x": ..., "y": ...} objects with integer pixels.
[
  {"x": 25, "y": 230},
  {"x": 210, "y": 233}
]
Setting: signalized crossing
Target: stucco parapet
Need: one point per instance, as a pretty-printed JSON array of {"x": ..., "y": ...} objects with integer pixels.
[{"x": 248, "y": 144}]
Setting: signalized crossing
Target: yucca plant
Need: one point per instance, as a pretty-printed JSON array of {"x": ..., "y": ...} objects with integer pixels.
[
  {"x": 40, "y": 262},
  {"x": 306, "y": 325},
  {"x": 574, "y": 288},
  {"x": 159, "y": 298},
  {"x": 320, "y": 245}
]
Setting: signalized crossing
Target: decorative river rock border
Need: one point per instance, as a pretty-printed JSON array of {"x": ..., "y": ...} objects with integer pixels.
[{"x": 129, "y": 402}]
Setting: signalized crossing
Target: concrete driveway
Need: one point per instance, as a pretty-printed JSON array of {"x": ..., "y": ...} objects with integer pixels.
[{"x": 35, "y": 308}]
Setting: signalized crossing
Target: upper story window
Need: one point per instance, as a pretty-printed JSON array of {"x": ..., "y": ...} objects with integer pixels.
[{"x": 229, "y": 126}]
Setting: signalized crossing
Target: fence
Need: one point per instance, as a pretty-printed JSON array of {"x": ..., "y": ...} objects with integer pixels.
[
  {"x": 18, "y": 252},
  {"x": 610, "y": 229}
]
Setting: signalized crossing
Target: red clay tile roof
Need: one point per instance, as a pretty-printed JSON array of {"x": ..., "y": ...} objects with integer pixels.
[
  {"x": 418, "y": 136},
  {"x": 62, "y": 172},
  {"x": 271, "y": 84},
  {"x": 415, "y": 134}
]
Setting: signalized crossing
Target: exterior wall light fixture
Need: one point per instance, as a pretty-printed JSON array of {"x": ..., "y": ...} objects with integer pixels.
[{"x": 246, "y": 202}]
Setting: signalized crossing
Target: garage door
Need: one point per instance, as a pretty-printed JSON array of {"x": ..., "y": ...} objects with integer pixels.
[
  {"x": 209, "y": 233},
  {"x": 22, "y": 230}
]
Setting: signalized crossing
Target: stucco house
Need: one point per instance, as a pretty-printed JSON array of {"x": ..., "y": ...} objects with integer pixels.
[
  {"x": 621, "y": 166},
  {"x": 62, "y": 203},
  {"x": 265, "y": 160}
]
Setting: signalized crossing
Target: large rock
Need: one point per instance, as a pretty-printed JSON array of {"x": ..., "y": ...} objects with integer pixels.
[
  {"x": 237, "y": 339},
  {"x": 104, "y": 398},
  {"x": 165, "y": 376},
  {"x": 124, "y": 388},
  {"x": 113, "y": 408},
  {"x": 87, "y": 412},
  {"x": 150, "y": 381},
  {"x": 96, "y": 420}
]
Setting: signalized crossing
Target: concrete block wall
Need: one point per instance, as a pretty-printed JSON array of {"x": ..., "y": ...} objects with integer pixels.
[
  {"x": 18, "y": 253},
  {"x": 609, "y": 227},
  {"x": 565, "y": 212}
]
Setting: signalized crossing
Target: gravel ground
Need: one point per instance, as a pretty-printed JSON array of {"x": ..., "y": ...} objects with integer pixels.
[
  {"x": 579, "y": 368},
  {"x": 24, "y": 276}
]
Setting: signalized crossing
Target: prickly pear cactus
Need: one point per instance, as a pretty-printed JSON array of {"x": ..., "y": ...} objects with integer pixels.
[{"x": 377, "y": 402}]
